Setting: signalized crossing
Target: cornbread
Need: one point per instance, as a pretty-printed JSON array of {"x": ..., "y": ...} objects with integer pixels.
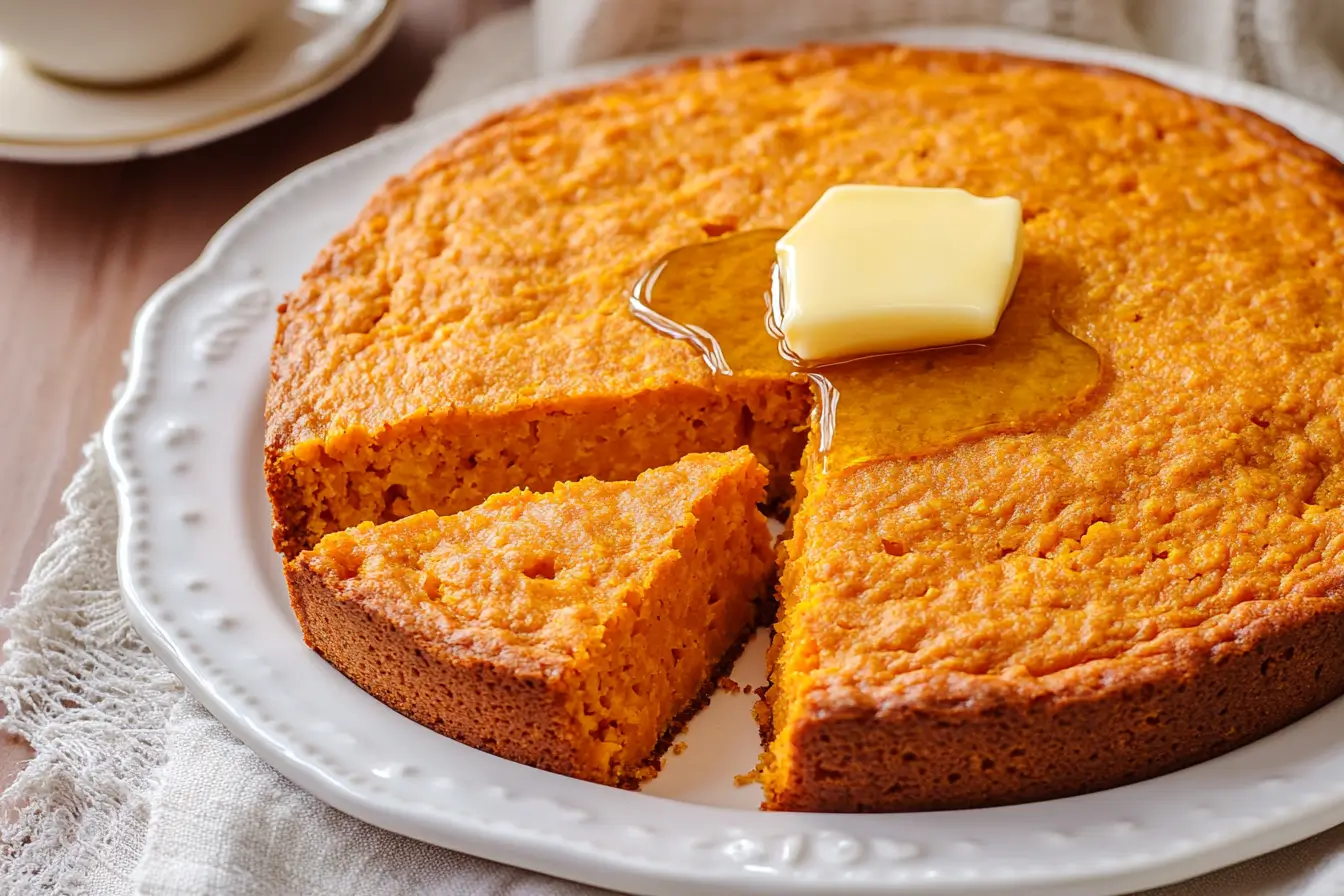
[
  {"x": 566, "y": 630},
  {"x": 1144, "y": 580}
]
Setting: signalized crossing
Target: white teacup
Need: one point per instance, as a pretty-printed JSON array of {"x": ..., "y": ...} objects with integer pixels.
[{"x": 125, "y": 41}]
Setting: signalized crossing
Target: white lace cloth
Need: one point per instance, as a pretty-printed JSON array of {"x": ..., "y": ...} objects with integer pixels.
[{"x": 136, "y": 789}]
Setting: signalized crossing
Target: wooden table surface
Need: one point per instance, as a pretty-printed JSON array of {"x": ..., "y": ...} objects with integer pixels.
[{"x": 82, "y": 247}]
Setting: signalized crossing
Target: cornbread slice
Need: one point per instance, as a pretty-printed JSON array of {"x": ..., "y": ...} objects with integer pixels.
[{"x": 565, "y": 630}]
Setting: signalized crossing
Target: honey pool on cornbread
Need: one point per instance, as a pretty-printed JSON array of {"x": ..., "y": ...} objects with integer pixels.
[
  {"x": 1029, "y": 373},
  {"x": 1144, "y": 582}
]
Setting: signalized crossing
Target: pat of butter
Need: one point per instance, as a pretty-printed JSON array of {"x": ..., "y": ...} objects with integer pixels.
[{"x": 874, "y": 269}]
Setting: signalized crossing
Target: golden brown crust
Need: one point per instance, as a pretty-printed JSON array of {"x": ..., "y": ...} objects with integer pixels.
[
  {"x": 963, "y": 742},
  {"x": 496, "y": 706},
  {"x": 287, "y": 422}
]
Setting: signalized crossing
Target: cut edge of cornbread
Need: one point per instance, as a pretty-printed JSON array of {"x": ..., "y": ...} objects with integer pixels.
[
  {"x": 585, "y": 710},
  {"x": 450, "y": 461}
]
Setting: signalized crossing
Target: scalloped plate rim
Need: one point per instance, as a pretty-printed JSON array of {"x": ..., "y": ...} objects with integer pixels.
[{"x": 553, "y": 850}]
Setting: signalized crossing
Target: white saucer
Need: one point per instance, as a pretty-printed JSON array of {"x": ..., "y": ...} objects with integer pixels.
[{"x": 297, "y": 56}]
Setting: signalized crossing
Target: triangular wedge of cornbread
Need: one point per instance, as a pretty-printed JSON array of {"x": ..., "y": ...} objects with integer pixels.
[{"x": 567, "y": 630}]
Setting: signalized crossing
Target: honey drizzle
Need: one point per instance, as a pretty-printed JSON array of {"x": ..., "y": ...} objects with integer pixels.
[{"x": 722, "y": 297}]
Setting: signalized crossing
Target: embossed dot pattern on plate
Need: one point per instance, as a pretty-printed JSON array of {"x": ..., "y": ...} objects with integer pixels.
[{"x": 201, "y": 582}]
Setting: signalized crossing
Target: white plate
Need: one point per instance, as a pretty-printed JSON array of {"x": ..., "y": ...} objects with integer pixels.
[
  {"x": 297, "y": 56},
  {"x": 205, "y": 590}
]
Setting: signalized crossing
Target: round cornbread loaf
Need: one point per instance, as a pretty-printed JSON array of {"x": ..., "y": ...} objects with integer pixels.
[{"x": 1144, "y": 585}]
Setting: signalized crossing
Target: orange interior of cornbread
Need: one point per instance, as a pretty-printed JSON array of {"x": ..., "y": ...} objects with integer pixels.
[
  {"x": 447, "y": 463},
  {"x": 628, "y": 593},
  {"x": 789, "y": 662},
  {"x": 657, "y": 651}
]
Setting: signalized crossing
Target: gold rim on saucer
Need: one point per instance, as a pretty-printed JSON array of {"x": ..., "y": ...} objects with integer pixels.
[{"x": 360, "y": 51}]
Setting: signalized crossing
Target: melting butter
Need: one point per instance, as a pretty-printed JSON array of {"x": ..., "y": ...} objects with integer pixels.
[
  {"x": 1030, "y": 374},
  {"x": 878, "y": 269}
]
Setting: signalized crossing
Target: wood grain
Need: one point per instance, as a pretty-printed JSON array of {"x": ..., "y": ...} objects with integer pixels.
[{"x": 82, "y": 247}]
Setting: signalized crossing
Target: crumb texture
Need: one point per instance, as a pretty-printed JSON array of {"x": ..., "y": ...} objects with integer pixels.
[{"x": 567, "y": 630}]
